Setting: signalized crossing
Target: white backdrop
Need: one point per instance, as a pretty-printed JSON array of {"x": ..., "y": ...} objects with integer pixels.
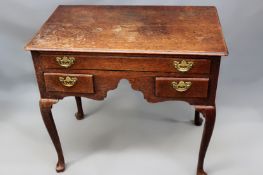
[{"x": 124, "y": 134}]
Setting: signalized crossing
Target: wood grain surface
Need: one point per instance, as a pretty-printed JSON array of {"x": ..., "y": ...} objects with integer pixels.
[{"x": 132, "y": 29}]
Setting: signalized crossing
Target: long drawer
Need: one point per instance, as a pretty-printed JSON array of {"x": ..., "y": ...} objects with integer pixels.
[{"x": 179, "y": 65}]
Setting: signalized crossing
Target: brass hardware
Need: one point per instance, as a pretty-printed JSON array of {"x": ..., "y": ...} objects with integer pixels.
[
  {"x": 68, "y": 81},
  {"x": 65, "y": 61},
  {"x": 184, "y": 66},
  {"x": 182, "y": 86}
]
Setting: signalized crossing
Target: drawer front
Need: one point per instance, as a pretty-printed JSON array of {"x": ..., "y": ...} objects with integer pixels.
[
  {"x": 179, "y": 65},
  {"x": 181, "y": 87},
  {"x": 74, "y": 83}
]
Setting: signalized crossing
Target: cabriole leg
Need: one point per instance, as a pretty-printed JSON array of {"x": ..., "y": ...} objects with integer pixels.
[
  {"x": 45, "y": 107},
  {"x": 198, "y": 120},
  {"x": 79, "y": 114},
  {"x": 209, "y": 113}
]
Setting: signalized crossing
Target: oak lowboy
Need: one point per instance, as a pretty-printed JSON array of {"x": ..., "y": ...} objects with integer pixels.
[{"x": 166, "y": 52}]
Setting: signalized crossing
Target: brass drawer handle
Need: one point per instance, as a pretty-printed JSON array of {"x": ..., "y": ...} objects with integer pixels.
[
  {"x": 68, "y": 81},
  {"x": 183, "y": 66},
  {"x": 65, "y": 61},
  {"x": 182, "y": 86}
]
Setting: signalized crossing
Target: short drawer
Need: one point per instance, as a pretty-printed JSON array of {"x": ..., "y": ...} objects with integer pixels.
[
  {"x": 179, "y": 65},
  {"x": 75, "y": 83},
  {"x": 181, "y": 87}
]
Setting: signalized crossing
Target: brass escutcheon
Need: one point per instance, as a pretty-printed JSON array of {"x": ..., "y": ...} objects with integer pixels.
[
  {"x": 68, "y": 81},
  {"x": 65, "y": 61},
  {"x": 182, "y": 86},
  {"x": 183, "y": 66}
]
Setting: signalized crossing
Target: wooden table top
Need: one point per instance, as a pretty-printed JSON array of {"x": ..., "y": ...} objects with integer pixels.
[{"x": 132, "y": 29}]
